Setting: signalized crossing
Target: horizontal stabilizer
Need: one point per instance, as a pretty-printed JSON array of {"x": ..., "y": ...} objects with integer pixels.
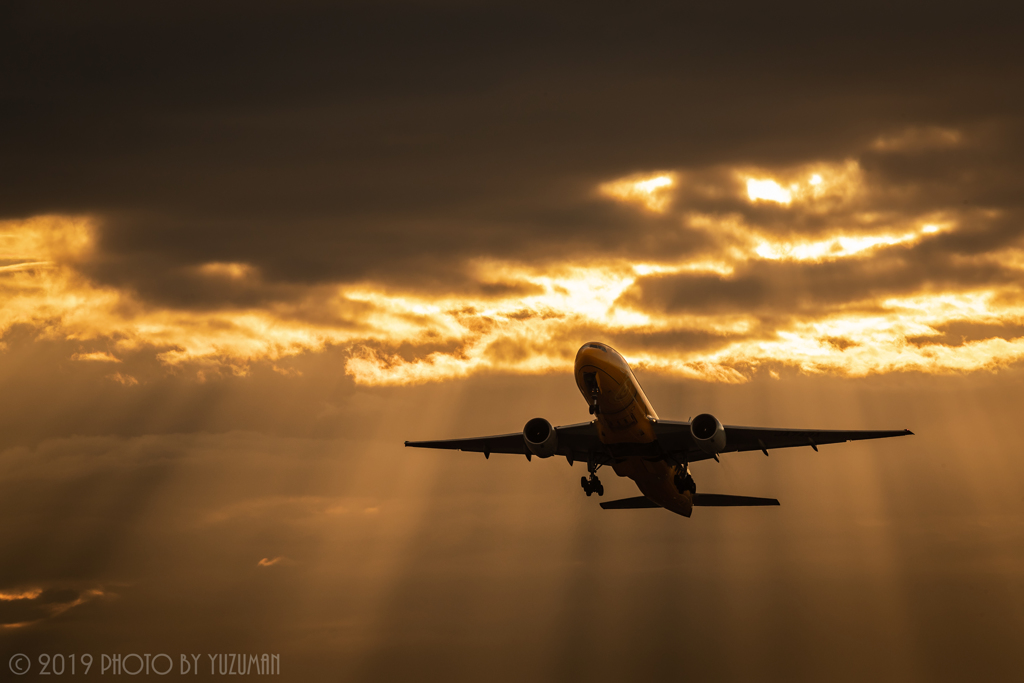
[
  {"x": 630, "y": 503},
  {"x": 719, "y": 500}
]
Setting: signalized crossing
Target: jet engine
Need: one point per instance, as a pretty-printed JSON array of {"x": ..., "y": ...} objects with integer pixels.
[
  {"x": 708, "y": 433},
  {"x": 540, "y": 437}
]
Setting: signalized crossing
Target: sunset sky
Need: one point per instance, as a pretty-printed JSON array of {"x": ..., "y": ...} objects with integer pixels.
[{"x": 247, "y": 251}]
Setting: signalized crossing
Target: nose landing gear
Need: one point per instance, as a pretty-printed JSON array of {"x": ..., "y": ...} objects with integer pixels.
[
  {"x": 592, "y": 485},
  {"x": 590, "y": 380},
  {"x": 684, "y": 482}
]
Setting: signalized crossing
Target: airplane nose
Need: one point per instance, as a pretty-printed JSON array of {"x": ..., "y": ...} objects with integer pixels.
[
  {"x": 593, "y": 349},
  {"x": 589, "y": 353},
  {"x": 601, "y": 356}
]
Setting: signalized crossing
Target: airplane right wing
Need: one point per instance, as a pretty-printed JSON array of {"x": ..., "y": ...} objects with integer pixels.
[
  {"x": 676, "y": 438},
  {"x": 761, "y": 438}
]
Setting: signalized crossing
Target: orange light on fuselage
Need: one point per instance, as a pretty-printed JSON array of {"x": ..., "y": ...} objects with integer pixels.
[{"x": 624, "y": 414}]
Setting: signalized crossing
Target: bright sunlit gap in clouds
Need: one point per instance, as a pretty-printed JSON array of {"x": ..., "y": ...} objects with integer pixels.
[
  {"x": 768, "y": 190},
  {"x": 822, "y": 182}
]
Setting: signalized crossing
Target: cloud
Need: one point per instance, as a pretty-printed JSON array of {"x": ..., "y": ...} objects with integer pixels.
[
  {"x": 836, "y": 278},
  {"x": 650, "y": 191},
  {"x": 915, "y": 139},
  {"x": 488, "y": 192},
  {"x": 98, "y": 356},
  {"x": 20, "y": 608},
  {"x": 121, "y": 378}
]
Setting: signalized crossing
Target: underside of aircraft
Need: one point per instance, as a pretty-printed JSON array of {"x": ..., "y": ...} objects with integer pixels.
[{"x": 627, "y": 435}]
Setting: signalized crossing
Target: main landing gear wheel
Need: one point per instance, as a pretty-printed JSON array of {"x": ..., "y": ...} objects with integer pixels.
[{"x": 592, "y": 485}]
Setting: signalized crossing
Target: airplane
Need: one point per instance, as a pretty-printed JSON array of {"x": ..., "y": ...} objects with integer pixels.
[{"x": 629, "y": 436}]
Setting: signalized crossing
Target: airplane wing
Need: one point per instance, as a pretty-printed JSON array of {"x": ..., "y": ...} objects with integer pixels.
[
  {"x": 580, "y": 441},
  {"x": 576, "y": 441},
  {"x": 675, "y": 437}
]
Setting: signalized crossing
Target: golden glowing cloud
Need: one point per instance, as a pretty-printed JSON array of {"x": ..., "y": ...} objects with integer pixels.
[
  {"x": 232, "y": 271},
  {"x": 50, "y": 609},
  {"x": 860, "y": 343},
  {"x": 124, "y": 379},
  {"x": 650, "y": 191},
  {"x": 815, "y": 186},
  {"x": 918, "y": 138},
  {"x": 455, "y": 335},
  {"x": 100, "y": 356},
  {"x": 29, "y": 594},
  {"x": 59, "y": 302},
  {"x": 837, "y": 246}
]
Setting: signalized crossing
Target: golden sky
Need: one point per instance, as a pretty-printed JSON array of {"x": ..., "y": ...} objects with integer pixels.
[{"x": 247, "y": 251}]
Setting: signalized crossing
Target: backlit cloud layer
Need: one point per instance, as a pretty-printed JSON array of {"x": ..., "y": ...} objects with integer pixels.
[{"x": 812, "y": 266}]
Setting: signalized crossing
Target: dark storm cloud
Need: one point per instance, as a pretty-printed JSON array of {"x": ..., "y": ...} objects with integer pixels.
[{"x": 322, "y": 144}]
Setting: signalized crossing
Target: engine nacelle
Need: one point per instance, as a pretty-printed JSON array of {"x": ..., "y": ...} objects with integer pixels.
[
  {"x": 540, "y": 437},
  {"x": 708, "y": 433}
]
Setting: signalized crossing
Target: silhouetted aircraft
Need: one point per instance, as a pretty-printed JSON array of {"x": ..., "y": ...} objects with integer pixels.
[{"x": 628, "y": 435}]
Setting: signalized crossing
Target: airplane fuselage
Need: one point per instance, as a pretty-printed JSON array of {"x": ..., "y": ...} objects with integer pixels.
[{"x": 625, "y": 423}]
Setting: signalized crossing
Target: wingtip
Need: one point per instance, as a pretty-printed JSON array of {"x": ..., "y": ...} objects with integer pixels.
[
  {"x": 909, "y": 433},
  {"x": 406, "y": 443}
]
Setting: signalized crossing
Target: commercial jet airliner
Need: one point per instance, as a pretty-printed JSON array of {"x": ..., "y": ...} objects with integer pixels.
[{"x": 627, "y": 434}]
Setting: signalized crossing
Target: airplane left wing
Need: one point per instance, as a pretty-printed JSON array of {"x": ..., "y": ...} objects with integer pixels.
[
  {"x": 760, "y": 438},
  {"x": 576, "y": 441}
]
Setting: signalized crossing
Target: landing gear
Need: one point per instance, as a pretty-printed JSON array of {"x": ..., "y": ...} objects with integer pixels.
[
  {"x": 685, "y": 482},
  {"x": 594, "y": 389},
  {"x": 592, "y": 485}
]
